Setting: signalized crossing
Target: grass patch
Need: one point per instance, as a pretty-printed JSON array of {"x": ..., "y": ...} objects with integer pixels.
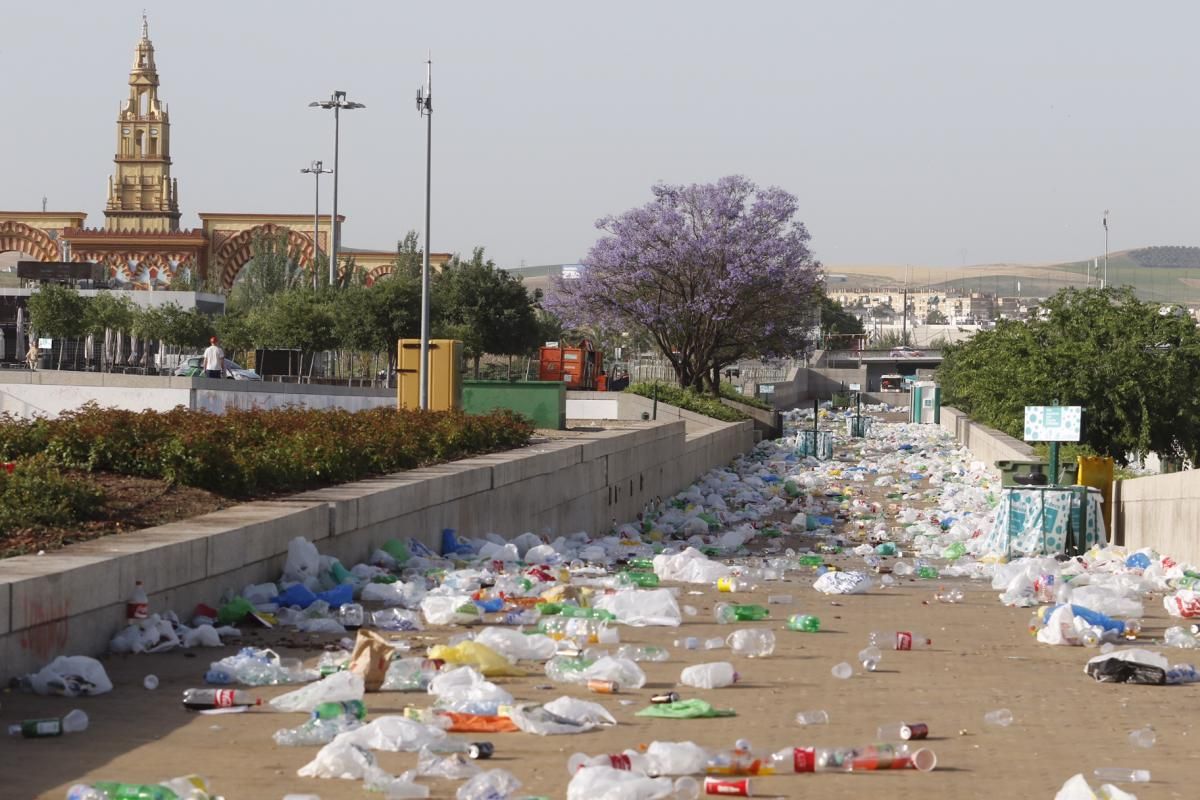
[{"x": 729, "y": 392}]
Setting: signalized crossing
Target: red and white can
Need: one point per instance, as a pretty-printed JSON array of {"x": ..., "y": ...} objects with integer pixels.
[
  {"x": 903, "y": 640},
  {"x": 731, "y": 787},
  {"x": 914, "y": 730}
]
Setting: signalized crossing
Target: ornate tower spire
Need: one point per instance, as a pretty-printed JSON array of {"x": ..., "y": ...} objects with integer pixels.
[{"x": 142, "y": 196}]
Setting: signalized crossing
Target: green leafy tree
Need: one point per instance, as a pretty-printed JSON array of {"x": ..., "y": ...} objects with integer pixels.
[
  {"x": 1132, "y": 368},
  {"x": 272, "y": 268},
  {"x": 300, "y": 319},
  {"x": 409, "y": 256},
  {"x": 58, "y": 312},
  {"x": 836, "y": 320},
  {"x": 487, "y": 308},
  {"x": 935, "y": 317},
  {"x": 236, "y": 331}
]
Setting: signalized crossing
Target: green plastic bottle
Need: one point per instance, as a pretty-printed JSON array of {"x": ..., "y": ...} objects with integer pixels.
[
  {"x": 885, "y": 549},
  {"x": 234, "y": 611},
  {"x": 729, "y": 612},
  {"x": 646, "y": 580},
  {"x": 806, "y": 623},
  {"x": 956, "y": 550},
  {"x": 397, "y": 550},
  {"x": 339, "y": 573},
  {"x": 811, "y": 561},
  {"x": 928, "y": 573},
  {"x": 134, "y": 791},
  {"x": 641, "y": 563},
  {"x": 549, "y": 609},
  {"x": 349, "y": 708},
  {"x": 586, "y": 613}
]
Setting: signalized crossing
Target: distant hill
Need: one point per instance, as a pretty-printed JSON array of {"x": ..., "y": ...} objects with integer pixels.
[{"x": 1174, "y": 257}]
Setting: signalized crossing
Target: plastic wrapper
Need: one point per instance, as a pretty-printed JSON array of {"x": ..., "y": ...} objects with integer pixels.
[
  {"x": 1133, "y": 665},
  {"x": 474, "y": 654},
  {"x": 338, "y": 687},
  {"x": 640, "y": 608},
  {"x": 843, "y": 583},
  {"x": 70, "y": 676},
  {"x": 606, "y": 783}
]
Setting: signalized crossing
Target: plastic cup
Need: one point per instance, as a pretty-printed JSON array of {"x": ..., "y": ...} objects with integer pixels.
[
  {"x": 842, "y": 671},
  {"x": 1001, "y": 718},
  {"x": 150, "y": 682}
]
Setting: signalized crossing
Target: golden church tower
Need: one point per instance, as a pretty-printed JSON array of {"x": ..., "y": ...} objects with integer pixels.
[{"x": 142, "y": 196}]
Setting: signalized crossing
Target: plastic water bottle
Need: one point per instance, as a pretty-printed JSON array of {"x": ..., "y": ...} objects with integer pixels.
[
  {"x": 949, "y": 596},
  {"x": 819, "y": 717},
  {"x": 351, "y": 615},
  {"x": 75, "y": 721},
  {"x": 715, "y": 643},
  {"x": 133, "y": 791},
  {"x": 870, "y": 657},
  {"x": 1001, "y": 718},
  {"x": 712, "y": 675},
  {"x": 351, "y": 709},
  {"x": 1122, "y": 775},
  {"x": 804, "y": 622},
  {"x": 726, "y": 613},
  {"x": 199, "y": 699},
  {"x": 688, "y": 643},
  {"x": 752, "y": 643},
  {"x": 647, "y": 652},
  {"x": 899, "y": 640}
]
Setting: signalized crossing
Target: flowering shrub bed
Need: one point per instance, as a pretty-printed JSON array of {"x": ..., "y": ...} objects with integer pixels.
[{"x": 257, "y": 452}]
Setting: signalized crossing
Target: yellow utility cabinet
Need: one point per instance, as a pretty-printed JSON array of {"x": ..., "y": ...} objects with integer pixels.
[
  {"x": 445, "y": 374},
  {"x": 1097, "y": 472}
]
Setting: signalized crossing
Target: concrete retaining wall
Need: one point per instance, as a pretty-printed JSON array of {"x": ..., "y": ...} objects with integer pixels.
[
  {"x": 50, "y": 392},
  {"x": 71, "y": 601},
  {"x": 988, "y": 445},
  {"x": 1159, "y": 511}
]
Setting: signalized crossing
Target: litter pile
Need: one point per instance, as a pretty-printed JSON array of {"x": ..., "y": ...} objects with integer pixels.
[{"x": 557, "y": 607}]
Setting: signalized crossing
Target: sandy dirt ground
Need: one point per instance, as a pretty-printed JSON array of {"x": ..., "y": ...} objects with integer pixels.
[{"x": 983, "y": 658}]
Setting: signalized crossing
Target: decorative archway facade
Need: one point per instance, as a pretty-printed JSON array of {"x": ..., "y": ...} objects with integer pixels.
[
  {"x": 238, "y": 249},
  {"x": 35, "y": 234}
]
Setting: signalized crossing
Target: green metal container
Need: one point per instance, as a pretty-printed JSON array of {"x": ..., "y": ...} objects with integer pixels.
[{"x": 545, "y": 402}]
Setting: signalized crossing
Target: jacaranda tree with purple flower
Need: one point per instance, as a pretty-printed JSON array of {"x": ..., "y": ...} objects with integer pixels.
[{"x": 712, "y": 273}]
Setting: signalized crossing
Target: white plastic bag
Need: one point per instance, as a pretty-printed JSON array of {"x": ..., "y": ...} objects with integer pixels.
[
  {"x": 561, "y": 716},
  {"x": 640, "y": 607},
  {"x": 303, "y": 563},
  {"x": 336, "y": 688},
  {"x": 843, "y": 583},
  {"x": 606, "y": 783},
  {"x": 626, "y": 673},
  {"x": 516, "y": 645},
  {"x": 71, "y": 676},
  {"x": 448, "y": 609}
]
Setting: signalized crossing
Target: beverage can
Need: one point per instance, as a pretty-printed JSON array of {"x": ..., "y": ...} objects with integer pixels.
[
  {"x": 478, "y": 750},
  {"x": 904, "y": 640},
  {"x": 732, "y": 787},
  {"x": 914, "y": 730},
  {"x": 603, "y": 687},
  {"x": 669, "y": 697}
]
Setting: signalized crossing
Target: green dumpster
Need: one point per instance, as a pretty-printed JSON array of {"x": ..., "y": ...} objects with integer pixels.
[
  {"x": 1009, "y": 469},
  {"x": 545, "y": 402}
]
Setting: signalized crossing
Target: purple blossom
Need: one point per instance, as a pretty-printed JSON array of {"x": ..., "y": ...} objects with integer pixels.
[{"x": 712, "y": 272}]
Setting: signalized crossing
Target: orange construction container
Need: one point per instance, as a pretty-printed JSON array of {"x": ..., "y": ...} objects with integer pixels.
[{"x": 577, "y": 367}]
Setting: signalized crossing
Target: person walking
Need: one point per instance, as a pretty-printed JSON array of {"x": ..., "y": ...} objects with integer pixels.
[{"x": 214, "y": 359}]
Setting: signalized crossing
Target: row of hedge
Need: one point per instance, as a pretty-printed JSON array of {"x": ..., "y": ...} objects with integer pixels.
[
  {"x": 688, "y": 400},
  {"x": 245, "y": 453},
  {"x": 35, "y": 493}
]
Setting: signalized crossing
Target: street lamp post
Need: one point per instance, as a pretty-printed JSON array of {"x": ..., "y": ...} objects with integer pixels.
[
  {"x": 337, "y": 101},
  {"x": 1104, "y": 283},
  {"x": 425, "y": 109},
  {"x": 316, "y": 170}
]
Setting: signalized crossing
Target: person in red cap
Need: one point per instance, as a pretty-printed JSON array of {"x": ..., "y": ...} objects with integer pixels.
[{"x": 214, "y": 359}]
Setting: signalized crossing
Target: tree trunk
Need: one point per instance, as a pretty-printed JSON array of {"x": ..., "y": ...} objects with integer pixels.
[
  {"x": 508, "y": 372},
  {"x": 477, "y": 358}
]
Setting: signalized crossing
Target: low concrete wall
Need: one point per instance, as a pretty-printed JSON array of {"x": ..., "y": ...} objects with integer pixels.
[
  {"x": 50, "y": 392},
  {"x": 987, "y": 444},
  {"x": 71, "y": 601},
  {"x": 767, "y": 424},
  {"x": 1159, "y": 511}
]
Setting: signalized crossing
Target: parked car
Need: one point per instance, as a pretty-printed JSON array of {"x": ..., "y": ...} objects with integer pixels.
[
  {"x": 193, "y": 367},
  {"x": 906, "y": 352}
]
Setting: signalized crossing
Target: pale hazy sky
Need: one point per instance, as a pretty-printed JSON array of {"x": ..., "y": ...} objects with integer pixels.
[{"x": 911, "y": 131}]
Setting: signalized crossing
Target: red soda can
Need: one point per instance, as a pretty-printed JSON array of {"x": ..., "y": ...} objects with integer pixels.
[
  {"x": 603, "y": 687},
  {"x": 914, "y": 730},
  {"x": 732, "y": 787}
]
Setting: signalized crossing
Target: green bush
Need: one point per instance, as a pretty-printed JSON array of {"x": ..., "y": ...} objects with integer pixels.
[
  {"x": 245, "y": 453},
  {"x": 36, "y": 494},
  {"x": 729, "y": 392},
  {"x": 689, "y": 400}
]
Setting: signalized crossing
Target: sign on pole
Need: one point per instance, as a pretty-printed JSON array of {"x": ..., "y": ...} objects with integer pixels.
[{"x": 1053, "y": 423}]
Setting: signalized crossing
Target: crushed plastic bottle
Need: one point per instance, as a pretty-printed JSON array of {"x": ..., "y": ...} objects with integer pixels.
[
  {"x": 1000, "y": 718},
  {"x": 201, "y": 699},
  {"x": 949, "y": 595},
  {"x": 713, "y": 675},
  {"x": 1122, "y": 775},
  {"x": 804, "y": 622},
  {"x": 726, "y": 613},
  {"x": 751, "y": 642},
  {"x": 899, "y": 640},
  {"x": 870, "y": 657},
  {"x": 1143, "y": 737},
  {"x": 820, "y": 717},
  {"x": 643, "y": 653}
]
